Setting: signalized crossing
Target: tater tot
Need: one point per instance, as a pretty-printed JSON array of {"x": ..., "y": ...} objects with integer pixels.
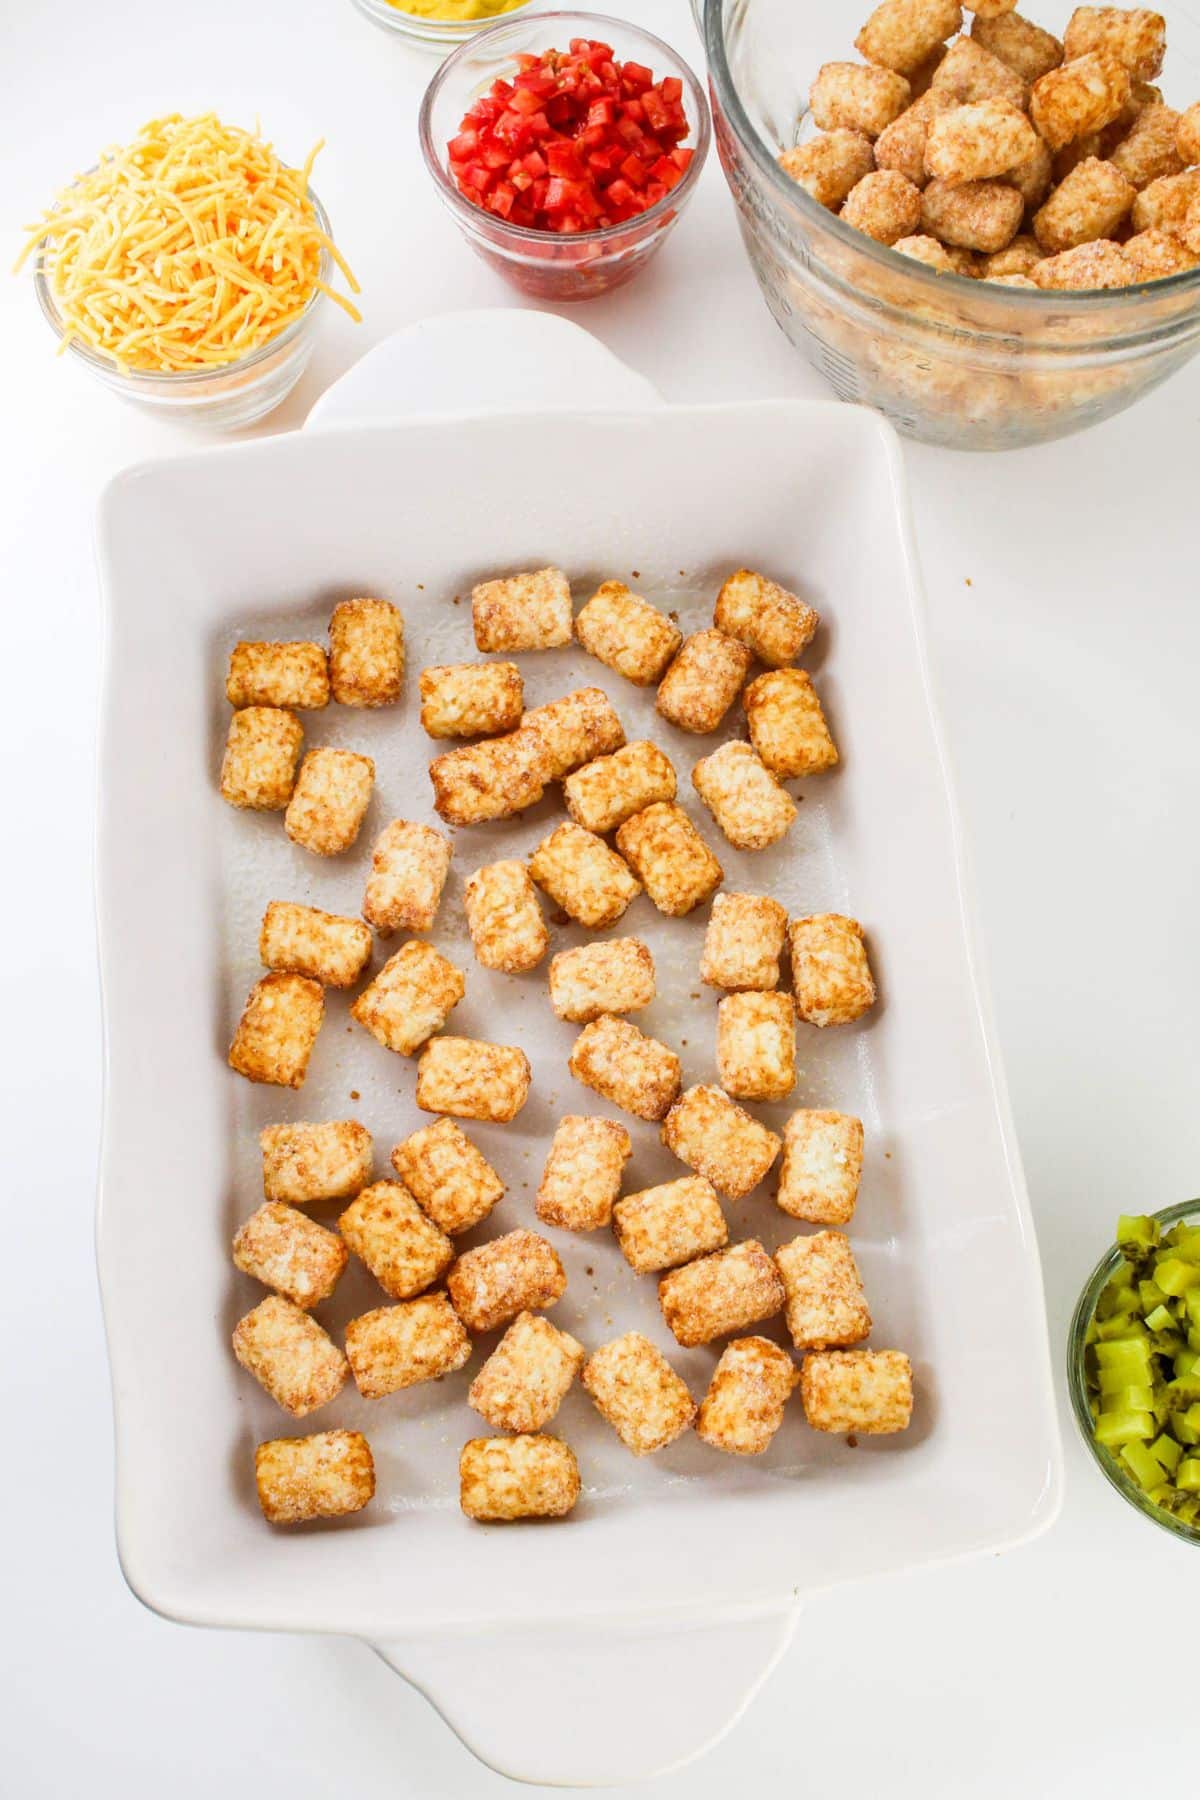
[
  {"x": 1163, "y": 206},
  {"x": 492, "y": 778},
  {"x": 451, "y": 1181},
  {"x": 303, "y": 940},
  {"x": 582, "y": 875},
  {"x": 721, "y": 1294},
  {"x": 902, "y": 146},
  {"x": 473, "y": 1080},
  {"x": 885, "y": 206},
  {"x": 613, "y": 976},
  {"x": 606, "y": 792},
  {"x": 743, "y": 1408},
  {"x": 1089, "y": 204},
  {"x": 665, "y": 1226},
  {"x": 522, "y": 612},
  {"x": 409, "y": 865},
  {"x": 750, "y": 805},
  {"x": 261, "y": 753},
  {"x": 507, "y": 929},
  {"x": 1081, "y": 96},
  {"x": 1191, "y": 230},
  {"x": 1100, "y": 264},
  {"x": 519, "y": 1272},
  {"x": 975, "y": 215},
  {"x": 974, "y": 142},
  {"x": 756, "y": 1045},
  {"x": 527, "y": 1477},
  {"x": 282, "y": 675},
  {"x": 622, "y": 1064},
  {"x": 936, "y": 256},
  {"x": 366, "y": 653},
  {"x": 582, "y": 1176},
  {"x": 627, "y": 634},
  {"x": 992, "y": 9},
  {"x": 857, "y": 97},
  {"x": 1150, "y": 147},
  {"x": 669, "y": 858},
  {"x": 900, "y": 34},
  {"x": 1136, "y": 38},
  {"x": 1152, "y": 255},
  {"x": 787, "y": 724},
  {"x": 575, "y": 730},
  {"x": 720, "y": 1140},
  {"x": 704, "y": 680},
  {"x": 860, "y": 1391},
  {"x": 772, "y": 623},
  {"x": 636, "y": 1389},
  {"x": 1021, "y": 256},
  {"x": 1034, "y": 177},
  {"x": 921, "y": 78},
  {"x": 1187, "y": 135},
  {"x": 329, "y": 801},
  {"x": 471, "y": 699},
  {"x": 970, "y": 72},
  {"x": 743, "y": 943},
  {"x": 1141, "y": 95},
  {"x": 831, "y": 973},
  {"x": 1029, "y": 51},
  {"x": 1072, "y": 154},
  {"x": 410, "y": 998},
  {"x": 826, "y": 1305},
  {"x": 828, "y": 166}
]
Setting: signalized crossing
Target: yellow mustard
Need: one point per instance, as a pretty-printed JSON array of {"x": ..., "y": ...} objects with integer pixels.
[{"x": 456, "y": 9}]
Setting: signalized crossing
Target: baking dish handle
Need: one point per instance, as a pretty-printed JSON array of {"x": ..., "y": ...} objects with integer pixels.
[
  {"x": 598, "y": 1706},
  {"x": 499, "y": 359}
]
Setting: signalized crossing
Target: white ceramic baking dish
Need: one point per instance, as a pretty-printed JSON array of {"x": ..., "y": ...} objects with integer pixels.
[{"x": 626, "y": 1638}]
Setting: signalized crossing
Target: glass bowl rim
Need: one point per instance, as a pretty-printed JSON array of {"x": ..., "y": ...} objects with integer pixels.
[
  {"x": 434, "y": 31},
  {"x": 795, "y": 197},
  {"x": 183, "y": 378},
  {"x": 1085, "y": 1306},
  {"x": 604, "y": 234}
]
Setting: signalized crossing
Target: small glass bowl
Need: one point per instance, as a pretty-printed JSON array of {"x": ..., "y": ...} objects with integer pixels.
[
  {"x": 218, "y": 399},
  {"x": 1109, "y": 1465},
  {"x": 430, "y": 34},
  {"x": 545, "y": 264}
]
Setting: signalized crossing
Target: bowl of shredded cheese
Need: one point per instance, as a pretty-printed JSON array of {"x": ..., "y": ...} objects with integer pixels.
[
  {"x": 187, "y": 268},
  {"x": 438, "y": 22}
]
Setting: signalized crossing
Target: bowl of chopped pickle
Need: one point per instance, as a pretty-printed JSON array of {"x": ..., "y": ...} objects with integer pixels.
[{"x": 1134, "y": 1366}]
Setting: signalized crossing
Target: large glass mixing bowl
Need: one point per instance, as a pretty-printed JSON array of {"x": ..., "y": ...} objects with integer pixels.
[{"x": 949, "y": 360}]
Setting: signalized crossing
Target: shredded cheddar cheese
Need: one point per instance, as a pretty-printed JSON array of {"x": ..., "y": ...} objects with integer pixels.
[{"x": 186, "y": 250}]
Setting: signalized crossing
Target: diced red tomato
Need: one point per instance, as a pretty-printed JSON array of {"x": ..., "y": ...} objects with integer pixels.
[{"x": 573, "y": 141}]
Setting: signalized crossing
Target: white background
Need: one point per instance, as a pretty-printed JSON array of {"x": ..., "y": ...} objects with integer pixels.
[{"x": 1065, "y": 637}]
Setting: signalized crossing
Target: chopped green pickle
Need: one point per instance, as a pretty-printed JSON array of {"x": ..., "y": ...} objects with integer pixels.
[
  {"x": 1136, "y": 1235},
  {"x": 1142, "y": 1466},
  {"x": 1187, "y": 1475},
  {"x": 1175, "y": 1276},
  {"x": 1114, "y": 1428},
  {"x": 1166, "y": 1452},
  {"x": 1142, "y": 1364}
]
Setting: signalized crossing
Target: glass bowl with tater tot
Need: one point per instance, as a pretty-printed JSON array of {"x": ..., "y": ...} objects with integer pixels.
[{"x": 975, "y": 306}]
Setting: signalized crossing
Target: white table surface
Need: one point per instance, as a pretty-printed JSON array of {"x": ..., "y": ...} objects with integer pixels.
[{"x": 1065, "y": 636}]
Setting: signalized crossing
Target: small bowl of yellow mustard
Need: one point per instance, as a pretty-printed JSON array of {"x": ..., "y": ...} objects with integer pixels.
[{"x": 438, "y": 22}]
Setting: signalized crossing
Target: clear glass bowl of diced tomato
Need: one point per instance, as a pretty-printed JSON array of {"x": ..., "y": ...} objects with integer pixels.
[{"x": 566, "y": 146}]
